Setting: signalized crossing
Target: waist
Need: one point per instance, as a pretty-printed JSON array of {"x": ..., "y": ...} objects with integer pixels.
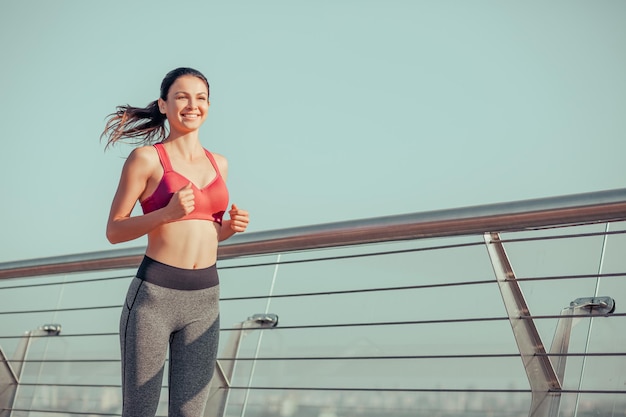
[
  {"x": 168, "y": 276},
  {"x": 189, "y": 244}
]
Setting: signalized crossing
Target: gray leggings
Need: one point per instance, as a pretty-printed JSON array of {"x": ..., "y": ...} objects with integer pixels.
[{"x": 176, "y": 307}]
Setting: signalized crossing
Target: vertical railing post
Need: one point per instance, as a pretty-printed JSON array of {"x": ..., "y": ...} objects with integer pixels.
[
  {"x": 545, "y": 375},
  {"x": 11, "y": 372},
  {"x": 8, "y": 385},
  {"x": 225, "y": 368},
  {"x": 544, "y": 383}
]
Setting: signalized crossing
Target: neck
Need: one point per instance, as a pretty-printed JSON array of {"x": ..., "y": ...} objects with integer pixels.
[{"x": 188, "y": 145}]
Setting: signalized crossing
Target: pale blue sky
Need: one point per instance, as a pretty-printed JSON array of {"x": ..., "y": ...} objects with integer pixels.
[{"x": 326, "y": 110}]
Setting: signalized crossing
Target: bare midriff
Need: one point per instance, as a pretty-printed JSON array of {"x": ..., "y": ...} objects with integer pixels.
[{"x": 188, "y": 244}]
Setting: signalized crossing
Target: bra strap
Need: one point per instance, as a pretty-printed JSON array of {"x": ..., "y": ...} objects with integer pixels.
[
  {"x": 213, "y": 162},
  {"x": 165, "y": 160}
]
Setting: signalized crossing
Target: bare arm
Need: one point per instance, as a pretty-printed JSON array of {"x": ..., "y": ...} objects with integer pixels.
[
  {"x": 121, "y": 227},
  {"x": 238, "y": 218},
  {"x": 238, "y": 223}
]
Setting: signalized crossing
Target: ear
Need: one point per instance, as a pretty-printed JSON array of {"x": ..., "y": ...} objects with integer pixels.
[{"x": 161, "y": 103}]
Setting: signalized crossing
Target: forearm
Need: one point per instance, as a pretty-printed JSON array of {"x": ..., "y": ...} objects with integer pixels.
[
  {"x": 225, "y": 231},
  {"x": 125, "y": 229}
]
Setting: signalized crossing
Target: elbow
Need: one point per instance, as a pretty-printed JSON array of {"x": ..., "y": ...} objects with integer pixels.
[{"x": 112, "y": 237}]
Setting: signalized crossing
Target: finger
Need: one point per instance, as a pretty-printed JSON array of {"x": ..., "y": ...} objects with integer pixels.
[
  {"x": 238, "y": 211},
  {"x": 237, "y": 227},
  {"x": 238, "y": 219},
  {"x": 233, "y": 207},
  {"x": 186, "y": 199},
  {"x": 186, "y": 187}
]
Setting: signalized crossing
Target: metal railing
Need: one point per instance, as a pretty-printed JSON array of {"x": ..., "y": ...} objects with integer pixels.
[{"x": 301, "y": 252}]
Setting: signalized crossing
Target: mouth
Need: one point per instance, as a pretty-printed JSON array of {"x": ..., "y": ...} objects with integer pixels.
[{"x": 190, "y": 116}]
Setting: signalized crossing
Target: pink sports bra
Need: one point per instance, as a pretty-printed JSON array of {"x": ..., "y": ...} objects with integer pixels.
[{"x": 211, "y": 201}]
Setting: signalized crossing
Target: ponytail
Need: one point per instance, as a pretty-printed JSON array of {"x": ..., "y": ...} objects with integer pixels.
[{"x": 143, "y": 126}]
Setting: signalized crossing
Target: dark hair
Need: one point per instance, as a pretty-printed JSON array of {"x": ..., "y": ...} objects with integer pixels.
[{"x": 144, "y": 126}]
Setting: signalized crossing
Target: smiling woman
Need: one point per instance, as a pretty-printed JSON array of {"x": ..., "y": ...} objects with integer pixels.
[
  {"x": 182, "y": 190},
  {"x": 148, "y": 123},
  {"x": 190, "y": 104}
]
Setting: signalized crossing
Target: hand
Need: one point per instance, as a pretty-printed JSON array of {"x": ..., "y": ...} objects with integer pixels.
[
  {"x": 238, "y": 219},
  {"x": 181, "y": 203}
]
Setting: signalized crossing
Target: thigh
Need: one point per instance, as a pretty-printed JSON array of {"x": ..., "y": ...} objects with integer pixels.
[
  {"x": 144, "y": 339},
  {"x": 193, "y": 352}
]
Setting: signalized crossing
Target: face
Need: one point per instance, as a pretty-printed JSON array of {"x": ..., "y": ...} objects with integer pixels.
[{"x": 187, "y": 104}]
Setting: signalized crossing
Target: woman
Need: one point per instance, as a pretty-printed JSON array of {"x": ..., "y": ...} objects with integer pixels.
[{"x": 174, "y": 298}]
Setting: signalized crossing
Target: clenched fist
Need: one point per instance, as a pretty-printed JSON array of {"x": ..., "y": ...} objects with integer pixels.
[
  {"x": 182, "y": 203},
  {"x": 239, "y": 219}
]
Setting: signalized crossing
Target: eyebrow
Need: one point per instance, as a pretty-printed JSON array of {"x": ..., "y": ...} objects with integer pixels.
[{"x": 185, "y": 92}]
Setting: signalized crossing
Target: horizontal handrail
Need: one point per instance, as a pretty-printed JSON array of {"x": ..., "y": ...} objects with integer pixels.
[{"x": 594, "y": 207}]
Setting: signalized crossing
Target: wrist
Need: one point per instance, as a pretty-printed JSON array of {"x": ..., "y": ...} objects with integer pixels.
[{"x": 226, "y": 230}]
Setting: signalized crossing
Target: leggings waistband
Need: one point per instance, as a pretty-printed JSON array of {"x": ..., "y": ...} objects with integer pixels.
[{"x": 176, "y": 278}]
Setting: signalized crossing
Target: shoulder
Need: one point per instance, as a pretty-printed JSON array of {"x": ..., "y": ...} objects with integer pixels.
[
  {"x": 221, "y": 162},
  {"x": 143, "y": 159},
  {"x": 144, "y": 155},
  {"x": 219, "y": 158}
]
